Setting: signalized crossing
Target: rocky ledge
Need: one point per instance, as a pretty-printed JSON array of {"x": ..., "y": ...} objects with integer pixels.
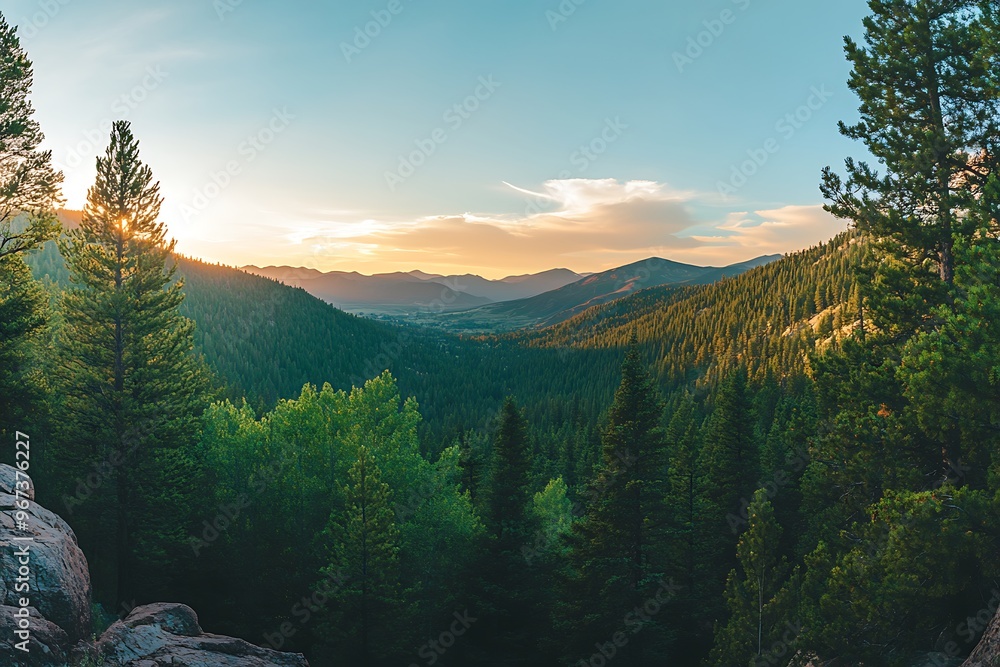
[{"x": 59, "y": 592}]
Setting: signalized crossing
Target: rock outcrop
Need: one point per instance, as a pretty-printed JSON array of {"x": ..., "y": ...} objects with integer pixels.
[
  {"x": 169, "y": 634},
  {"x": 987, "y": 653},
  {"x": 58, "y": 578},
  {"x": 60, "y": 597},
  {"x": 46, "y": 645}
]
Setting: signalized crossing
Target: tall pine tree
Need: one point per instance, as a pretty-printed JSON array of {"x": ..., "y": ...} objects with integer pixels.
[
  {"x": 510, "y": 591},
  {"x": 930, "y": 115},
  {"x": 364, "y": 564},
  {"x": 757, "y": 602},
  {"x": 29, "y": 190},
  {"x": 131, "y": 384},
  {"x": 29, "y": 185},
  {"x": 617, "y": 554}
]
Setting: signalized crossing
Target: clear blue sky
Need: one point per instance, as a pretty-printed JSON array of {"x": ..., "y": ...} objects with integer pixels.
[{"x": 330, "y": 114}]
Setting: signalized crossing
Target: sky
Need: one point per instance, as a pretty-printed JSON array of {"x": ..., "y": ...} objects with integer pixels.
[{"x": 496, "y": 137}]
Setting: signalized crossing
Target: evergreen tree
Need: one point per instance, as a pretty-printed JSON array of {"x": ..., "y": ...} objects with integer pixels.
[
  {"x": 929, "y": 115},
  {"x": 728, "y": 463},
  {"x": 29, "y": 190},
  {"x": 131, "y": 385},
  {"x": 684, "y": 498},
  {"x": 364, "y": 563},
  {"x": 509, "y": 584},
  {"x": 509, "y": 494},
  {"x": 617, "y": 551},
  {"x": 757, "y": 607},
  {"x": 897, "y": 411},
  {"x": 29, "y": 185},
  {"x": 23, "y": 313}
]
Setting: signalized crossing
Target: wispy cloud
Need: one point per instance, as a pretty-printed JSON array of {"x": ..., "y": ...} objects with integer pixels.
[{"x": 591, "y": 225}]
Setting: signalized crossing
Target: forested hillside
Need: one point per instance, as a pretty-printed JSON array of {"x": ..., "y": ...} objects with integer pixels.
[
  {"x": 265, "y": 340},
  {"x": 768, "y": 320}
]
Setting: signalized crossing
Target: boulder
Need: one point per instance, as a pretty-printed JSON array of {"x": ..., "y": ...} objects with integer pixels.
[
  {"x": 162, "y": 634},
  {"x": 46, "y": 645},
  {"x": 987, "y": 653},
  {"x": 58, "y": 576},
  {"x": 60, "y": 595},
  {"x": 9, "y": 479}
]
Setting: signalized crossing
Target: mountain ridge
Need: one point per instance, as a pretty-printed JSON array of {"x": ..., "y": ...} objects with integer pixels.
[{"x": 556, "y": 306}]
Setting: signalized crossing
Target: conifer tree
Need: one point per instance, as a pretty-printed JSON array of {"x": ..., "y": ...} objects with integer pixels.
[
  {"x": 617, "y": 553},
  {"x": 509, "y": 585},
  {"x": 364, "y": 564},
  {"x": 131, "y": 384},
  {"x": 29, "y": 184},
  {"x": 756, "y": 606},
  {"x": 929, "y": 115},
  {"x": 728, "y": 465},
  {"x": 686, "y": 509},
  {"x": 29, "y": 191}
]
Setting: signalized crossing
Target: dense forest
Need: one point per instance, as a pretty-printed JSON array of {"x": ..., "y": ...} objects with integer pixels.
[{"x": 799, "y": 464}]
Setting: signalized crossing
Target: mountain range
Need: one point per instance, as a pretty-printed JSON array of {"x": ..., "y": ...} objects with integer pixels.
[
  {"x": 473, "y": 304},
  {"x": 402, "y": 293},
  {"x": 565, "y": 302}
]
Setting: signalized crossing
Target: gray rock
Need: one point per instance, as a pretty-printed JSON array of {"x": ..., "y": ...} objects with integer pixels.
[
  {"x": 987, "y": 653},
  {"x": 46, "y": 645},
  {"x": 155, "y": 635},
  {"x": 58, "y": 577},
  {"x": 163, "y": 634},
  {"x": 8, "y": 479}
]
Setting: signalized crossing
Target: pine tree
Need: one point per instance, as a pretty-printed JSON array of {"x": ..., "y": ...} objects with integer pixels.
[
  {"x": 686, "y": 515},
  {"x": 29, "y": 185},
  {"x": 364, "y": 564},
  {"x": 508, "y": 582},
  {"x": 29, "y": 190},
  {"x": 23, "y": 313},
  {"x": 757, "y": 608},
  {"x": 617, "y": 553},
  {"x": 509, "y": 493},
  {"x": 929, "y": 115},
  {"x": 131, "y": 384},
  {"x": 728, "y": 464},
  {"x": 729, "y": 459}
]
